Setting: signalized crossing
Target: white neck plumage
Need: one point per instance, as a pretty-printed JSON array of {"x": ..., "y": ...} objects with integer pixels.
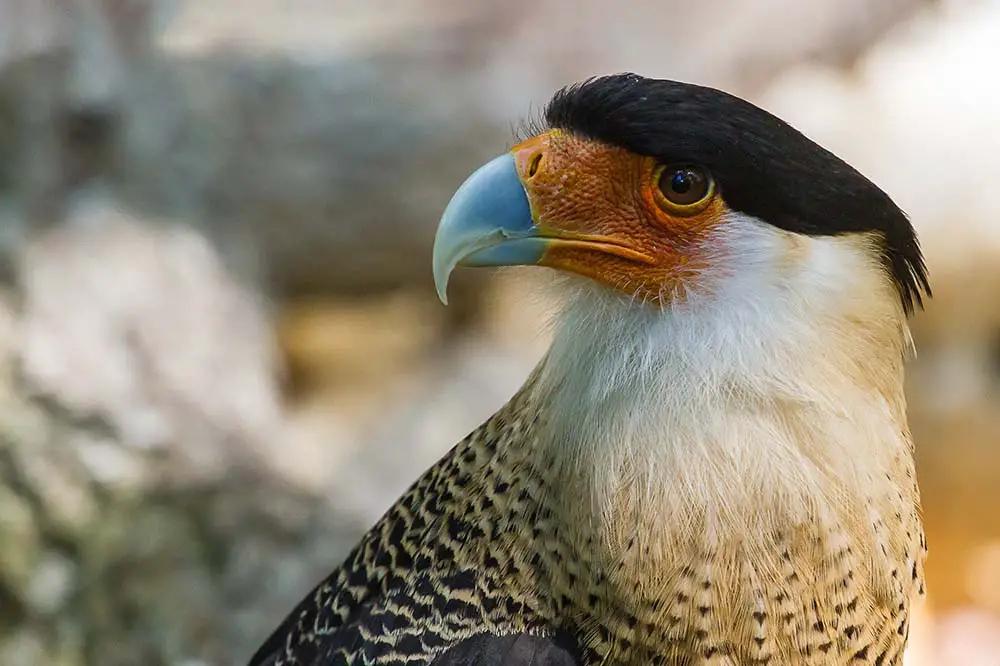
[{"x": 770, "y": 395}]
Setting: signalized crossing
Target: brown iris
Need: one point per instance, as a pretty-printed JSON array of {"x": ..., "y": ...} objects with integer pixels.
[{"x": 683, "y": 188}]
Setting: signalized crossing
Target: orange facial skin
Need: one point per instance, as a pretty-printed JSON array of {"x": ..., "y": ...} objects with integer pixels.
[{"x": 612, "y": 224}]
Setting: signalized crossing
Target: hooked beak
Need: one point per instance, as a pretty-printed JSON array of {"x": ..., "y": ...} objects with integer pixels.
[
  {"x": 488, "y": 222},
  {"x": 520, "y": 209}
]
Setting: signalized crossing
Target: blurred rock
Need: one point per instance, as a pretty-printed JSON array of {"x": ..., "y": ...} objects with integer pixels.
[
  {"x": 169, "y": 351},
  {"x": 144, "y": 499},
  {"x": 159, "y": 504},
  {"x": 64, "y": 68},
  {"x": 175, "y": 571},
  {"x": 329, "y": 175}
]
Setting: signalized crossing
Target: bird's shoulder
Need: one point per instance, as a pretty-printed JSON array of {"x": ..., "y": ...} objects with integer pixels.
[
  {"x": 404, "y": 630},
  {"x": 397, "y": 567}
]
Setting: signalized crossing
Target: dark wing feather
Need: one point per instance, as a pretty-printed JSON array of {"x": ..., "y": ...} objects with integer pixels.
[
  {"x": 268, "y": 652},
  {"x": 379, "y": 634},
  {"x": 407, "y": 627},
  {"x": 513, "y": 650}
]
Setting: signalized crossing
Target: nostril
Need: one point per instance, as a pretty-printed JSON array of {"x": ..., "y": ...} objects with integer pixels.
[{"x": 536, "y": 161}]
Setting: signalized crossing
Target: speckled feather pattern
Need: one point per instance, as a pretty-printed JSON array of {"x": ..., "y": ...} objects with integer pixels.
[
  {"x": 712, "y": 470},
  {"x": 727, "y": 482},
  {"x": 480, "y": 544}
]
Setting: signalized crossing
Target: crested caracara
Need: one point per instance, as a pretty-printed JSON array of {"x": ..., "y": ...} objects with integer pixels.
[{"x": 711, "y": 464}]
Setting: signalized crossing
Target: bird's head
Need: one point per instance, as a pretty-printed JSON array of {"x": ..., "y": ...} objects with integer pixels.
[
  {"x": 735, "y": 294},
  {"x": 698, "y": 221},
  {"x": 643, "y": 185}
]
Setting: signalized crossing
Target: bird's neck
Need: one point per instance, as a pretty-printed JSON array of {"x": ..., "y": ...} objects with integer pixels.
[{"x": 698, "y": 434}]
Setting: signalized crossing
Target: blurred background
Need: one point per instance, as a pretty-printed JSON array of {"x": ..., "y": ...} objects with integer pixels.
[{"x": 221, "y": 357}]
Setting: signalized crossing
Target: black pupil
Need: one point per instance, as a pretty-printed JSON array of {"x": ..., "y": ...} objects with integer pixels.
[
  {"x": 683, "y": 185},
  {"x": 681, "y": 182}
]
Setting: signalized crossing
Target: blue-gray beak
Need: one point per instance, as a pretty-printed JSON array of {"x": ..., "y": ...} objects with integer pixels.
[{"x": 488, "y": 222}]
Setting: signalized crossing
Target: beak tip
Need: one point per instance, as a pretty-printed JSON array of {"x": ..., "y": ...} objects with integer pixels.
[
  {"x": 441, "y": 286},
  {"x": 443, "y": 263},
  {"x": 488, "y": 212}
]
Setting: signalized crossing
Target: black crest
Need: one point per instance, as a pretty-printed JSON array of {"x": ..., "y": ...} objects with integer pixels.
[{"x": 763, "y": 166}]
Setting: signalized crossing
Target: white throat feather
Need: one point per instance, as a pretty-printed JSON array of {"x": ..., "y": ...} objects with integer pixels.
[{"x": 769, "y": 394}]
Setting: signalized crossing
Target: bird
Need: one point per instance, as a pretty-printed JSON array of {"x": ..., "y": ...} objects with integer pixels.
[{"x": 711, "y": 464}]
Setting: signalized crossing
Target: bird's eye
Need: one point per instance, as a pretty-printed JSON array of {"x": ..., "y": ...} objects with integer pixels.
[{"x": 683, "y": 187}]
